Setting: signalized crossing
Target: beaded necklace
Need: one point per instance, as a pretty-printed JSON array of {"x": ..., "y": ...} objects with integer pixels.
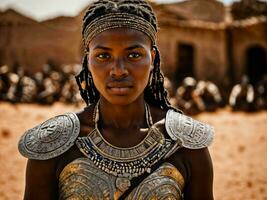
[{"x": 125, "y": 163}]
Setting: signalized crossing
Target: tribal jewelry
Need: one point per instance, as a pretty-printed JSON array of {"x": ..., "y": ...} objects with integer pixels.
[
  {"x": 125, "y": 163},
  {"x": 118, "y": 20},
  {"x": 149, "y": 119}
]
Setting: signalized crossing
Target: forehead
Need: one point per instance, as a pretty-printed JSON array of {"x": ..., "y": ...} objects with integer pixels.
[{"x": 122, "y": 37}]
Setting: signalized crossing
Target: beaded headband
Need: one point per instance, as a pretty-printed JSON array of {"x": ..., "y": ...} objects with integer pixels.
[{"x": 118, "y": 20}]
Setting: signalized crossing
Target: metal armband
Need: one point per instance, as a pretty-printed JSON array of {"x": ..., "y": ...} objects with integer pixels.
[
  {"x": 188, "y": 132},
  {"x": 51, "y": 138}
]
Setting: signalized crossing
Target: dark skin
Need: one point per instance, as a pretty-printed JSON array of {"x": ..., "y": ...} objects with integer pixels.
[{"x": 120, "y": 62}]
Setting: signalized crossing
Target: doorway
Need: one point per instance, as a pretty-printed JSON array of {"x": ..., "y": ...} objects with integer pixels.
[
  {"x": 256, "y": 63},
  {"x": 185, "y": 62}
]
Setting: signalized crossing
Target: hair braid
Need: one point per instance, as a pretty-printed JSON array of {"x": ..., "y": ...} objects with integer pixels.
[
  {"x": 86, "y": 85},
  {"x": 155, "y": 93}
]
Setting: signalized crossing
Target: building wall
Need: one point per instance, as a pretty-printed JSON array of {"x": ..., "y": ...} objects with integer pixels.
[
  {"x": 243, "y": 38},
  {"x": 204, "y": 10},
  {"x": 31, "y": 45},
  {"x": 210, "y": 51},
  {"x": 248, "y": 8}
]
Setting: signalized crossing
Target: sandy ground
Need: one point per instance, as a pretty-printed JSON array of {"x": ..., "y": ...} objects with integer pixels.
[{"x": 239, "y": 151}]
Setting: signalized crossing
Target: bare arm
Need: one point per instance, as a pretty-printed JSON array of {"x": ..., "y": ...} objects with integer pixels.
[
  {"x": 199, "y": 182},
  {"x": 41, "y": 182},
  {"x": 195, "y": 165}
]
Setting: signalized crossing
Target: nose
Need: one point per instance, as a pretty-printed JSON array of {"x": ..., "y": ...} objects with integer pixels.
[{"x": 119, "y": 69}]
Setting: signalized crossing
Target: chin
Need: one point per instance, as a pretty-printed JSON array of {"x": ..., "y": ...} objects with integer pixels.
[{"x": 121, "y": 100}]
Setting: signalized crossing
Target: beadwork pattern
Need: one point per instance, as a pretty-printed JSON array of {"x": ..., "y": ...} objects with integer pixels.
[
  {"x": 118, "y": 20},
  {"x": 125, "y": 163}
]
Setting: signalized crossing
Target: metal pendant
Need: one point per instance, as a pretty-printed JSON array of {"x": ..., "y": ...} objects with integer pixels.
[{"x": 123, "y": 183}]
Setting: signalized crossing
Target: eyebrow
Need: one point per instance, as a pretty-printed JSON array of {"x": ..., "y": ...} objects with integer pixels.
[
  {"x": 135, "y": 47},
  {"x": 102, "y": 47},
  {"x": 128, "y": 48}
]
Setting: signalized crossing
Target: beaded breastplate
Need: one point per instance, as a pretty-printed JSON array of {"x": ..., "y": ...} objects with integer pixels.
[
  {"x": 118, "y": 166},
  {"x": 82, "y": 179},
  {"x": 125, "y": 163}
]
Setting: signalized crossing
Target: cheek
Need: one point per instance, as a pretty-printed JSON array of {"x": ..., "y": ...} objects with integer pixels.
[
  {"x": 142, "y": 75},
  {"x": 146, "y": 66},
  {"x": 97, "y": 69},
  {"x": 92, "y": 64},
  {"x": 96, "y": 72}
]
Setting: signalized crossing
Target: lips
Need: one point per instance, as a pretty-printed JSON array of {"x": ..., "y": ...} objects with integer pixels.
[
  {"x": 119, "y": 85},
  {"x": 119, "y": 88}
]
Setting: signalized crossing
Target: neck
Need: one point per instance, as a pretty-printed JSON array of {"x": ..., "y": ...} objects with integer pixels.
[{"x": 122, "y": 116}]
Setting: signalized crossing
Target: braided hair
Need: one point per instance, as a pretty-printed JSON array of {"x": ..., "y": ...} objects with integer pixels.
[{"x": 155, "y": 94}]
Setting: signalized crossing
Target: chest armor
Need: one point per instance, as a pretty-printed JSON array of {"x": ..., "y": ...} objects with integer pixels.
[
  {"x": 105, "y": 171},
  {"x": 81, "y": 179}
]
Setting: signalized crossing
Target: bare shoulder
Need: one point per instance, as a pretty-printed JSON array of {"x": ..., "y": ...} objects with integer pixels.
[
  {"x": 192, "y": 162},
  {"x": 195, "y": 158},
  {"x": 199, "y": 174},
  {"x": 41, "y": 179},
  {"x": 157, "y": 113},
  {"x": 86, "y": 115},
  {"x": 86, "y": 120}
]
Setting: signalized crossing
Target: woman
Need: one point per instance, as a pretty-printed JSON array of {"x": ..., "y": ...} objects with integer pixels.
[{"x": 129, "y": 143}]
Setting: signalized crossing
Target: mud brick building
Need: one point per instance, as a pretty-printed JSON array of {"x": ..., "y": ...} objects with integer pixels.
[{"x": 199, "y": 38}]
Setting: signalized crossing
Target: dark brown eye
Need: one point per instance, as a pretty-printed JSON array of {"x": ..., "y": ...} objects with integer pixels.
[
  {"x": 134, "y": 55},
  {"x": 103, "y": 56}
]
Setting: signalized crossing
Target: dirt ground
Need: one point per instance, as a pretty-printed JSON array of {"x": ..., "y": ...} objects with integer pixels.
[{"x": 239, "y": 151}]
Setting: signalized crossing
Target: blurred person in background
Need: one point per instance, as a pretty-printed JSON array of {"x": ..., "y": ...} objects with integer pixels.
[
  {"x": 51, "y": 83},
  {"x": 69, "y": 91},
  {"x": 171, "y": 90},
  {"x": 29, "y": 90},
  {"x": 45, "y": 87},
  {"x": 4, "y": 81},
  {"x": 209, "y": 94},
  {"x": 14, "y": 89},
  {"x": 187, "y": 97},
  {"x": 242, "y": 96},
  {"x": 261, "y": 94}
]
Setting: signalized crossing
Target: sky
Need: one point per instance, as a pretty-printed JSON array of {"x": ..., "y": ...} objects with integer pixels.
[{"x": 45, "y": 9}]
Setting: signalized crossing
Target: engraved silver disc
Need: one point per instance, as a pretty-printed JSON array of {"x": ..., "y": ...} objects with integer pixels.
[
  {"x": 51, "y": 138},
  {"x": 190, "y": 133}
]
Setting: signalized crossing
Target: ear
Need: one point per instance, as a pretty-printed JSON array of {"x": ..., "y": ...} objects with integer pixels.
[
  {"x": 87, "y": 58},
  {"x": 153, "y": 56}
]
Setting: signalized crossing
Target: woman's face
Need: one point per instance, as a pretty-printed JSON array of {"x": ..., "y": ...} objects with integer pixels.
[{"x": 120, "y": 61}]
